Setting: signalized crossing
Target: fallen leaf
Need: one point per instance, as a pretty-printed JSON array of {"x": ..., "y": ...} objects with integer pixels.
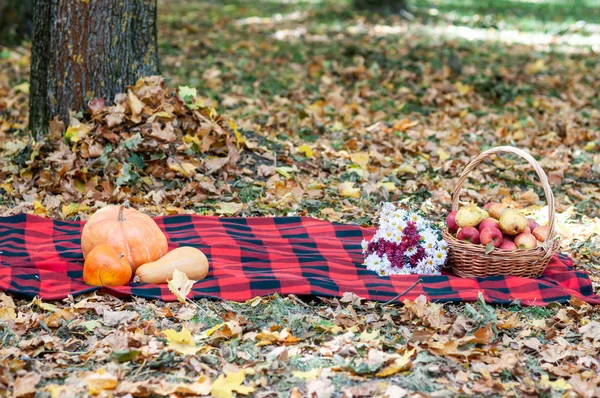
[
  {"x": 25, "y": 386},
  {"x": 74, "y": 208},
  {"x": 180, "y": 285},
  {"x": 401, "y": 364},
  {"x": 181, "y": 342},
  {"x": 347, "y": 190},
  {"x": 100, "y": 380},
  {"x": 229, "y": 208},
  {"x": 224, "y": 386}
]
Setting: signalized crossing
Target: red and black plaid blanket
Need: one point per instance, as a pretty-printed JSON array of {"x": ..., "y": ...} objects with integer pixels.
[{"x": 252, "y": 257}]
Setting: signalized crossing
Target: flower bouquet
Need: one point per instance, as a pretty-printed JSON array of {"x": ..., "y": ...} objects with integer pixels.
[{"x": 405, "y": 243}]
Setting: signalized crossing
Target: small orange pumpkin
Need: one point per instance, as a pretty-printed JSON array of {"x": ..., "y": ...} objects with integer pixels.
[
  {"x": 105, "y": 267},
  {"x": 128, "y": 231}
]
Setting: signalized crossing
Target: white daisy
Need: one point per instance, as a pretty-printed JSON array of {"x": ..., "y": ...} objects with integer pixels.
[
  {"x": 440, "y": 257},
  {"x": 373, "y": 262},
  {"x": 411, "y": 252},
  {"x": 365, "y": 245}
]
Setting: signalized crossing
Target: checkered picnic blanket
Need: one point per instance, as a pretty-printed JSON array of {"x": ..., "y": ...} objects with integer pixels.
[{"x": 252, "y": 257}]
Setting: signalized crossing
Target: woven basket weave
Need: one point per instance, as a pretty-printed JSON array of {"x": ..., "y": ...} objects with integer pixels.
[{"x": 469, "y": 260}]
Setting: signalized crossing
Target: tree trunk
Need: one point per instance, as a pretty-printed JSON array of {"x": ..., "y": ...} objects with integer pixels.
[
  {"x": 381, "y": 6},
  {"x": 15, "y": 20},
  {"x": 85, "y": 49}
]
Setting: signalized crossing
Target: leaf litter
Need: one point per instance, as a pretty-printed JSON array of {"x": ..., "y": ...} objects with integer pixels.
[{"x": 330, "y": 123}]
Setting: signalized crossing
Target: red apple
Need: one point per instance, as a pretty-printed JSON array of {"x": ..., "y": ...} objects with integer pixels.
[
  {"x": 532, "y": 224},
  {"x": 491, "y": 235},
  {"x": 451, "y": 222},
  {"x": 489, "y": 204},
  {"x": 508, "y": 245},
  {"x": 527, "y": 230},
  {"x": 541, "y": 233},
  {"x": 488, "y": 222},
  {"x": 525, "y": 241},
  {"x": 468, "y": 234}
]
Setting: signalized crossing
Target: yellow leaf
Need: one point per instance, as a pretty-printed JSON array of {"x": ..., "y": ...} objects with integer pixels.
[
  {"x": 347, "y": 189},
  {"x": 73, "y": 208},
  {"x": 464, "y": 89},
  {"x": 192, "y": 139},
  {"x": 305, "y": 149},
  {"x": 184, "y": 168},
  {"x": 285, "y": 171},
  {"x": 7, "y": 187},
  {"x": 99, "y": 381},
  {"x": 406, "y": 169},
  {"x": 76, "y": 132},
  {"x": 163, "y": 114},
  {"x": 590, "y": 146},
  {"x": 23, "y": 88},
  {"x": 537, "y": 66},
  {"x": 38, "y": 208},
  {"x": 399, "y": 365},
  {"x": 180, "y": 285},
  {"x": 309, "y": 375},
  {"x": 45, "y": 306},
  {"x": 135, "y": 104},
  {"x": 360, "y": 158},
  {"x": 229, "y": 208},
  {"x": 181, "y": 342},
  {"x": 443, "y": 155},
  {"x": 224, "y": 386},
  {"x": 389, "y": 186},
  {"x": 7, "y": 313},
  {"x": 369, "y": 336},
  {"x": 210, "y": 331},
  {"x": 238, "y": 136}
]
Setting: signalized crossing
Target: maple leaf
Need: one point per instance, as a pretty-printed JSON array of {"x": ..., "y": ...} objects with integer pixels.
[
  {"x": 180, "y": 285},
  {"x": 399, "y": 365},
  {"x": 224, "y": 386},
  {"x": 100, "y": 380},
  {"x": 181, "y": 342},
  {"x": 229, "y": 208},
  {"x": 348, "y": 190}
]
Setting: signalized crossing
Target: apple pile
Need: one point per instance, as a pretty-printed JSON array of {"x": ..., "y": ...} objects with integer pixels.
[{"x": 496, "y": 225}]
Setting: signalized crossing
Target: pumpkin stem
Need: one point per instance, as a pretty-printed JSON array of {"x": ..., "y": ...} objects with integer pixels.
[{"x": 123, "y": 206}]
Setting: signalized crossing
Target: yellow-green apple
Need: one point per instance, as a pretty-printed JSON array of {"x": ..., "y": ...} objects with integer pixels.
[
  {"x": 541, "y": 233},
  {"x": 451, "y": 222},
  {"x": 468, "y": 234},
  {"x": 491, "y": 235},
  {"x": 512, "y": 222},
  {"x": 470, "y": 216},
  {"x": 532, "y": 224},
  {"x": 488, "y": 222},
  {"x": 496, "y": 210},
  {"x": 525, "y": 241},
  {"x": 507, "y": 245}
]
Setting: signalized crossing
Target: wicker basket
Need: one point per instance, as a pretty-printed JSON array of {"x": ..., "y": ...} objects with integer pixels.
[{"x": 469, "y": 260}]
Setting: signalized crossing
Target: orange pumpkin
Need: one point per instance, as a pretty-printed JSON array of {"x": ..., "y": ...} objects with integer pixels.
[
  {"x": 105, "y": 267},
  {"x": 128, "y": 231}
]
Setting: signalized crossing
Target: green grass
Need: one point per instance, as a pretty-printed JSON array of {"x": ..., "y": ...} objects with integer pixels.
[{"x": 548, "y": 16}]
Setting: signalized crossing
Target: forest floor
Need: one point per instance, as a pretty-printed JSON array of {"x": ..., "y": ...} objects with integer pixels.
[{"x": 331, "y": 113}]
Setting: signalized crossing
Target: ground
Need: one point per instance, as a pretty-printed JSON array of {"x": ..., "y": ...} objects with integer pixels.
[{"x": 323, "y": 112}]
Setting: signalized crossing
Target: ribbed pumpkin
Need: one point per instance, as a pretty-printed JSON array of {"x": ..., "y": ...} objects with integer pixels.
[
  {"x": 128, "y": 231},
  {"x": 105, "y": 267}
]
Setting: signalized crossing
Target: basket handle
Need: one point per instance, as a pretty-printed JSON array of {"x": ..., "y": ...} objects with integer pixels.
[{"x": 538, "y": 169}]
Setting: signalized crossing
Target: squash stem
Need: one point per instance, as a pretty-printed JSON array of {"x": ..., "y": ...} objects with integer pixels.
[{"x": 121, "y": 208}]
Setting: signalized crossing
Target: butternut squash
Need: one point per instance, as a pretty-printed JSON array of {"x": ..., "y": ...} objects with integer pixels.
[{"x": 188, "y": 260}]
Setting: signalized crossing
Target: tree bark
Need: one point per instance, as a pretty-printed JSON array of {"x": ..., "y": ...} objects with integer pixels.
[
  {"x": 381, "y": 6},
  {"x": 15, "y": 20},
  {"x": 85, "y": 49}
]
